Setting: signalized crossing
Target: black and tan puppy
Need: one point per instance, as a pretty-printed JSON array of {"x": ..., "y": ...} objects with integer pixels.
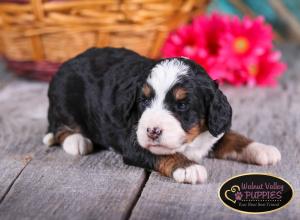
[{"x": 161, "y": 115}]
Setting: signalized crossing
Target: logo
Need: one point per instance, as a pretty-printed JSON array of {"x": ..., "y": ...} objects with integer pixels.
[{"x": 256, "y": 193}]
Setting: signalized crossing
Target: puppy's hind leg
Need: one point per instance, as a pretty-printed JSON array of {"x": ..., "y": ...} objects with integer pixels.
[
  {"x": 49, "y": 139},
  {"x": 62, "y": 130},
  {"x": 234, "y": 146},
  {"x": 72, "y": 141},
  {"x": 77, "y": 144}
]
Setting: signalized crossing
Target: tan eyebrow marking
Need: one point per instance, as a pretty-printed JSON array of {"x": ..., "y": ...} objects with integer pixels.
[
  {"x": 146, "y": 90},
  {"x": 180, "y": 93}
]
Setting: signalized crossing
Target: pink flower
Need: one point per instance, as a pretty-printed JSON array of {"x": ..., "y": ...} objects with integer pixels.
[
  {"x": 245, "y": 40},
  {"x": 266, "y": 69},
  {"x": 198, "y": 41},
  {"x": 230, "y": 49}
]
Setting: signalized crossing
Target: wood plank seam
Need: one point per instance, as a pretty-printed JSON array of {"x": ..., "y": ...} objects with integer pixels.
[
  {"x": 27, "y": 160},
  {"x": 141, "y": 189}
]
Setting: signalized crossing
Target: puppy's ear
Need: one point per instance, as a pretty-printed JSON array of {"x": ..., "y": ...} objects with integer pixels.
[{"x": 219, "y": 114}]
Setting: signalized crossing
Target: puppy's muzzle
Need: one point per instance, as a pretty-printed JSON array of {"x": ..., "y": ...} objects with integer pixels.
[{"x": 154, "y": 133}]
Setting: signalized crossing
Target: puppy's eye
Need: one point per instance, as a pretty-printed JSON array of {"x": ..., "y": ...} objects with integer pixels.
[
  {"x": 182, "y": 106},
  {"x": 146, "y": 102}
]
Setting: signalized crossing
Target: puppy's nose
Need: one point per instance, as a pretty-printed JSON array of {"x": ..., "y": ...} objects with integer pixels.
[{"x": 154, "y": 133}]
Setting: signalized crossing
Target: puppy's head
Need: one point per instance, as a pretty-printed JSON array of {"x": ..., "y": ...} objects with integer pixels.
[{"x": 178, "y": 102}]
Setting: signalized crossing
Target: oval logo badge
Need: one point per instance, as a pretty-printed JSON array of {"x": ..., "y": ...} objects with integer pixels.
[{"x": 256, "y": 193}]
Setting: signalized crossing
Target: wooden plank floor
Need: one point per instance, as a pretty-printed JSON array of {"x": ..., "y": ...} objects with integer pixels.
[
  {"x": 41, "y": 183},
  {"x": 45, "y": 183}
]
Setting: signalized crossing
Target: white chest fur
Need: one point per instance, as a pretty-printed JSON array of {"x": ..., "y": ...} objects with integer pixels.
[{"x": 200, "y": 146}]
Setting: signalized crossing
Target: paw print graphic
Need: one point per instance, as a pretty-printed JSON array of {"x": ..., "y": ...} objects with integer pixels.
[{"x": 238, "y": 196}]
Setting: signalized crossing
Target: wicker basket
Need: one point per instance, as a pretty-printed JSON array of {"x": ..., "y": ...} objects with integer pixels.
[{"x": 36, "y": 36}]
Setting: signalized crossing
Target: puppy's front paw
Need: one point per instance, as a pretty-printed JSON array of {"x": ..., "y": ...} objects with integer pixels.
[
  {"x": 192, "y": 174},
  {"x": 76, "y": 144},
  {"x": 262, "y": 154}
]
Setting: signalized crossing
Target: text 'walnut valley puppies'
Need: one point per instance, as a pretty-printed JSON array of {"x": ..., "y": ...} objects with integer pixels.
[{"x": 161, "y": 115}]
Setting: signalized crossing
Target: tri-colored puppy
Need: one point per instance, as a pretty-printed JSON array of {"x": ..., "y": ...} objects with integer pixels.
[{"x": 162, "y": 115}]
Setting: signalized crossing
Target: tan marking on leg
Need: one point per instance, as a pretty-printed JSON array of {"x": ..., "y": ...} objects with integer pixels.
[
  {"x": 167, "y": 164},
  {"x": 64, "y": 132},
  {"x": 237, "y": 147},
  {"x": 230, "y": 143},
  {"x": 73, "y": 141}
]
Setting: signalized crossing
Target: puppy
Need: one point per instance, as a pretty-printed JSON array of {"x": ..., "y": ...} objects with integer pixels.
[{"x": 163, "y": 115}]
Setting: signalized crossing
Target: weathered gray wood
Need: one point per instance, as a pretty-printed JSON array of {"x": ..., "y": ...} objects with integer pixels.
[
  {"x": 23, "y": 107},
  {"x": 55, "y": 185},
  {"x": 59, "y": 186},
  {"x": 5, "y": 76},
  {"x": 22, "y": 119},
  {"x": 10, "y": 169},
  {"x": 267, "y": 115},
  {"x": 165, "y": 199},
  {"x": 10, "y": 166}
]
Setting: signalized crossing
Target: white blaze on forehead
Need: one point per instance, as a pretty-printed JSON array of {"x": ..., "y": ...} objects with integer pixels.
[{"x": 164, "y": 75}]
